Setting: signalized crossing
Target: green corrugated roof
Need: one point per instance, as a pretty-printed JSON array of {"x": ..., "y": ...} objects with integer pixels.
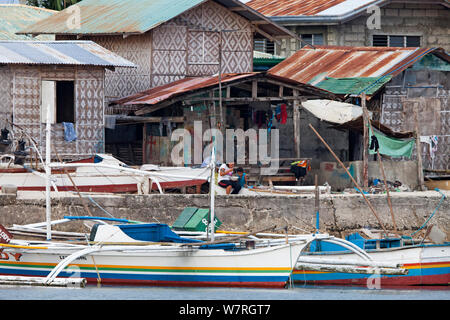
[
  {"x": 115, "y": 16},
  {"x": 15, "y": 17},
  {"x": 100, "y": 17},
  {"x": 357, "y": 85}
]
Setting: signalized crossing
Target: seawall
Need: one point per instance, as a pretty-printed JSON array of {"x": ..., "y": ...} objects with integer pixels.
[{"x": 340, "y": 214}]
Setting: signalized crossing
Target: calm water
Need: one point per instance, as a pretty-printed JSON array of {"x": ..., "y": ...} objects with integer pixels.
[
  {"x": 221, "y": 303},
  {"x": 299, "y": 292}
]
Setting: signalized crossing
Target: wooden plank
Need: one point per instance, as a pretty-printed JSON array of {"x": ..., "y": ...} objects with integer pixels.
[{"x": 418, "y": 149}]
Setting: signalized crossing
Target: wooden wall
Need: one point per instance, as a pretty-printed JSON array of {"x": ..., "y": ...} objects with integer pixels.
[{"x": 23, "y": 101}]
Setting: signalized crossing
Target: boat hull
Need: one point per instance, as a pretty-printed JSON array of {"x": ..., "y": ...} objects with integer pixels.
[
  {"x": 112, "y": 182},
  {"x": 426, "y": 265},
  {"x": 262, "y": 267}
]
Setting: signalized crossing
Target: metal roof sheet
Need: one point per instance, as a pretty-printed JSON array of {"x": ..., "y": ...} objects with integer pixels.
[
  {"x": 193, "y": 84},
  {"x": 59, "y": 53},
  {"x": 314, "y": 65},
  {"x": 161, "y": 93},
  {"x": 292, "y": 7},
  {"x": 353, "y": 86},
  {"x": 104, "y": 17},
  {"x": 15, "y": 17}
]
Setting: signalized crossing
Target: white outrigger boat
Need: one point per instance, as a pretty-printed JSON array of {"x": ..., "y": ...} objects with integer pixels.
[{"x": 100, "y": 173}]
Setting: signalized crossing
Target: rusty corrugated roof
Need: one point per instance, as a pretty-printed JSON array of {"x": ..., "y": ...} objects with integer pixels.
[
  {"x": 292, "y": 7},
  {"x": 161, "y": 93},
  {"x": 192, "y": 84},
  {"x": 314, "y": 65},
  {"x": 105, "y": 17},
  {"x": 15, "y": 17}
]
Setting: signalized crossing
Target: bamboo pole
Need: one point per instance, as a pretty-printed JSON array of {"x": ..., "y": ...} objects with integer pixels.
[
  {"x": 229, "y": 240},
  {"x": 351, "y": 177},
  {"x": 366, "y": 120},
  {"x": 317, "y": 202}
]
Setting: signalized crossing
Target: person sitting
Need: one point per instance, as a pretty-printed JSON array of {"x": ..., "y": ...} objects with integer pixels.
[
  {"x": 242, "y": 177},
  {"x": 225, "y": 173}
]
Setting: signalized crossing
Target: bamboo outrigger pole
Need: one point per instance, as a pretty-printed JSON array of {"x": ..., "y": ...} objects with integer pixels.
[{"x": 351, "y": 177}]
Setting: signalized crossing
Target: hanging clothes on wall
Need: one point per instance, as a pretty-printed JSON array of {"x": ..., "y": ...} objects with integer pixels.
[
  {"x": 432, "y": 142},
  {"x": 283, "y": 113},
  {"x": 278, "y": 113},
  {"x": 69, "y": 132}
]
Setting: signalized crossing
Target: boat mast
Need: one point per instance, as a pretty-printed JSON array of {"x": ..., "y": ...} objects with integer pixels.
[
  {"x": 48, "y": 174},
  {"x": 211, "y": 190}
]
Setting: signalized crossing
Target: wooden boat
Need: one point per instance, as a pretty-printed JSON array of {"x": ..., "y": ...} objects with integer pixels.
[
  {"x": 102, "y": 173},
  {"x": 154, "y": 264},
  {"x": 427, "y": 264}
]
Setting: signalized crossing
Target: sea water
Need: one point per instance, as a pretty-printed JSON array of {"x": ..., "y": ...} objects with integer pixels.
[{"x": 297, "y": 292}]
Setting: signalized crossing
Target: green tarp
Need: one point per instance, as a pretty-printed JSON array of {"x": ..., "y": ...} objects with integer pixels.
[
  {"x": 369, "y": 85},
  {"x": 392, "y": 147}
]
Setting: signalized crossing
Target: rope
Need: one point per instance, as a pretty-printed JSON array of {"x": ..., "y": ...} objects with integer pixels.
[{"x": 440, "y": 202}]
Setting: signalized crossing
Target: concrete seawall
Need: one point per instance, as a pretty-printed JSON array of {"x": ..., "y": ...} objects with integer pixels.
[{"x": 339, "y": 214}]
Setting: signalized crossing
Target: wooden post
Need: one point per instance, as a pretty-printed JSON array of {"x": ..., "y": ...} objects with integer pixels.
[
  {"x": 418, "y": 149},
  {"x": 296, "y": 120},
  {"x": 317, "y": 203},
  {"x": 365, "y": 143}
]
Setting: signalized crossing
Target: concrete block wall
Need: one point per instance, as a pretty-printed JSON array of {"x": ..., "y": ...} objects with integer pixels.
[
  {"x": 339, "y": 214},
  {"x": 429, "y": 21}
]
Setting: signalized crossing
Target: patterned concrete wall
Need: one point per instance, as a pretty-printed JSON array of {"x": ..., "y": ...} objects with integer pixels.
[
  {"x": 25, "y": 106},
  {"x": 184, "y": 46},
  {"x": 189, "y": 45},
  {"x": 432, "y": 102}
]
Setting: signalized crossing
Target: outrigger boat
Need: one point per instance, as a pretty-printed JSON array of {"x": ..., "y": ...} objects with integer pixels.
[{"x": 427, "y": 264}]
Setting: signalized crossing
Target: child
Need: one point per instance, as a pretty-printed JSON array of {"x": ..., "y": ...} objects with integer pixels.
[{"x": 242, "y": 177}]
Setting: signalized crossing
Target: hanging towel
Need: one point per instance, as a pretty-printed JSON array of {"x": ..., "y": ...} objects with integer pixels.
[
  {"x": 278, "y": 113},
  {"x": 283, "y": 114},
  {"x": 69, "y": 132},
  {"x": 392, "y": 147}
]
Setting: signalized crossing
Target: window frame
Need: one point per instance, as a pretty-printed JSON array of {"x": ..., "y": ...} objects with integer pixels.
[{"x": 50, "y": 87}]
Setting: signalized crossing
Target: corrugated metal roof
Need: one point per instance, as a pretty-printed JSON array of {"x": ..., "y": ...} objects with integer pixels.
[
  {"x": 15, "y": 17},
  {"x": 292, "y": 7},
  {"x": 191, "y": 85},
  {"x": 314, "y": 65},
  {"x": 134, "y": 17},
  {"x": 353, "y": 85},
  {"x": 85, "y": 53},
  {"x": 161, "y": 93}
]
